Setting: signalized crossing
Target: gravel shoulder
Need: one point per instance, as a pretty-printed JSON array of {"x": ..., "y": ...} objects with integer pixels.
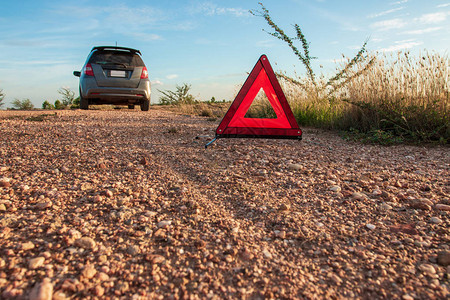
[{"x": 129, "y": 205}]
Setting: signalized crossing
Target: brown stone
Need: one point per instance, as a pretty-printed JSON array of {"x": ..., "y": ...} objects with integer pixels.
[
  {"x": 443, "y": 207},
  {"x": 85, "y": 243},
  {"x": 443, "y": 258},
  {"x": 418, "y": 204},
  {"x": 42, "y": 290}
]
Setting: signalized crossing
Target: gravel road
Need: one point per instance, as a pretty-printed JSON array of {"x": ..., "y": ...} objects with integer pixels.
[{"x": 129, "y": 205}]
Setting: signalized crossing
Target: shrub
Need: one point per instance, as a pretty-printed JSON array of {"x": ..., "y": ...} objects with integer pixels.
[
  {"x": 68, "y": 96},
  {"x": 75, "y": 103},
  {"x": 24, "y": 104},
  {"x": 47, "y": 105},
  {"x": 2, "y": 97},
  {"x": 180, "y": 96},
  {"x": 58, "y": 104}
]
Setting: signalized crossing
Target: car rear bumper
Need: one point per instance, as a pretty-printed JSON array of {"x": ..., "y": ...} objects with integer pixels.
[{"x": 115, "y": 95}]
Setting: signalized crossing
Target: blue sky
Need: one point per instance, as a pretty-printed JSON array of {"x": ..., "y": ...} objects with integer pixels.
[{"x": 209, "y": 44}]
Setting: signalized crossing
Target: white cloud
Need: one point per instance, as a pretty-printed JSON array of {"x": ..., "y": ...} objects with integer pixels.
[
  {"x": 422, "y": 31},
  {"x": 172, "y": 76},
  {"x": 211, "y": 9},
  {"x": 157, "y": 82},
  {"x": 266, "y": 43},
  {"x": 402, "y": 45},
  {"x": 443, "y": 5},
  {"x": 433, "y": 18},
  {"x": 376, "y": 40},
  {"x": 135, "y": 16},
  {"x": 237, "y": 12},
  {"x": 399, "y": 2},
  {"x": 354, "y": 47},
  {"x": 389, "y": 24},
  {"x": 146, "y": 36},
  {"x": 386, "y": 12}
]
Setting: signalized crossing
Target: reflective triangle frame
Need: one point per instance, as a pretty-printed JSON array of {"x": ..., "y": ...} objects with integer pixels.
[{"x": 235, "y": 125}]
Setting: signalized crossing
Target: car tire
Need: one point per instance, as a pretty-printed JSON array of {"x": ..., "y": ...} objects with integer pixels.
[
  {"x": 145, "y": 105},
  {"x": 84, "y": 103},
  {"x": 131, "y": 106}
]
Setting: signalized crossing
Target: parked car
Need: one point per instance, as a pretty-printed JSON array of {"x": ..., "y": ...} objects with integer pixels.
[{"x": 114, "y": 75}]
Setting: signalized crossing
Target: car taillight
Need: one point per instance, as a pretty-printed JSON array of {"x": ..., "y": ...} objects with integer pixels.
[
  {"x": 88, "y": 70},
  {"x": 144, "y": 74}
]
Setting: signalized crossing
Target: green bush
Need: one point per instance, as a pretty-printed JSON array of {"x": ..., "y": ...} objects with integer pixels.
[
  {"x": 59, "y": 105},
  {"x": 68, "y": 96},
  {"x": 47, "y": 105},
  {"x": 75, "y": 103},
  {"x": 180, "y": 96},
  {"x": 24, "y": 104}
]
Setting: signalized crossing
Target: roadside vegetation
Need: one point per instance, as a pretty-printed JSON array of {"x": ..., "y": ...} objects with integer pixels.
[
  {"x": 183, "y": 102},
  {"x": 2, "y": 97},
  {"x": 67, "y": 100},
  {"x": 24, "y": 104},
  {"x": 374, "y": 97}
]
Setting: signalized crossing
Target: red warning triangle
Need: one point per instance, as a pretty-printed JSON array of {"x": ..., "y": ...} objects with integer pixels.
[{"x": 235, "y": 124}]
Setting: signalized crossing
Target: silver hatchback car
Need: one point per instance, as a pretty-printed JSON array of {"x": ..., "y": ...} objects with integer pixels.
[{"x": 114, "y": 75}]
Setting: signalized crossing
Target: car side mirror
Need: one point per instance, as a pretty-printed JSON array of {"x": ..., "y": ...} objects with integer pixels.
[{"x": 77, "y": 73}]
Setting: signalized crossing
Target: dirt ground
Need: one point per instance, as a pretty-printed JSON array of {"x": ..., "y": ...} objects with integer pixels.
[{"x": 129, "y": 205}]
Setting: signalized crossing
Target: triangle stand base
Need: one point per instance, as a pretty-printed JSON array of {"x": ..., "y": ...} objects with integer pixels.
[{"x": 213, "y": 140}]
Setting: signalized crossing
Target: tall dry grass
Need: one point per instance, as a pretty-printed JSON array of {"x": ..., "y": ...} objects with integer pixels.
[
  {"x": 399, "y": 95},
  {"x": 389, "y": 96}
]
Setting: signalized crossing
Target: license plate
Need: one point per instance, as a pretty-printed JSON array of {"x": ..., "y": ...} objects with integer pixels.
[{"x": 117, "y": 73}]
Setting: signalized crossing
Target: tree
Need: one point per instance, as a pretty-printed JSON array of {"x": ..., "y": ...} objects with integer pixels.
[
  {"x": 2, "y": 96},
  {"x": 76, "y": 103},
  {"x": 67, "y": 96},
  {"x": 59, "y": 105},
  {"x": 180, "y": 96},
  {"x": 47, "y": 105},
  {"x": 24, "y": 104}
]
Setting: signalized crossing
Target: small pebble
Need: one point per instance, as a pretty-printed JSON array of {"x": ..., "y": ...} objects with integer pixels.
[
  {"x": 85, "y": 243},
  {"x": 335, "y": 188},
  {"x": 385, "y": 206},
  {"x": 371, "y": 226},
  {"x": 133, "y": 250},
  {"x": 89, "y": 272},
  {"x": 163, "y": 224},
  {"x": 42, "y": 290},
  {"x": 428, "y": 269},
  {"x": 443, "y": 207},
  {"x": 435, "y": 220},
  {"x": 359, "y": 196},
  {"x": 35, "y": 263},
  {"x": 27, "y": 246},
  {"x": 267, "y": 254},
  {"x": 295, "y": 167},
  {"x": 443, "y": 258},
  {"x": 5, "y": 182}
]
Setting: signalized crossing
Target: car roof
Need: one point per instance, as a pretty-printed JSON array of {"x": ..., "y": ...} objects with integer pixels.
[{"x": 101, "y": 48}]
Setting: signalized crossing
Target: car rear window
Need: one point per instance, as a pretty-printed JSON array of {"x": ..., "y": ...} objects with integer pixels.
[{"x": 116, "y": 57}]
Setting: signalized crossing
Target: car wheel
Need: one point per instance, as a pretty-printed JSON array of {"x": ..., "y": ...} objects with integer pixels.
[
  {"x": 84, "y": 103},
  {"x": 131, "y": 106},
  {"x": 145, "y": 104}
]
